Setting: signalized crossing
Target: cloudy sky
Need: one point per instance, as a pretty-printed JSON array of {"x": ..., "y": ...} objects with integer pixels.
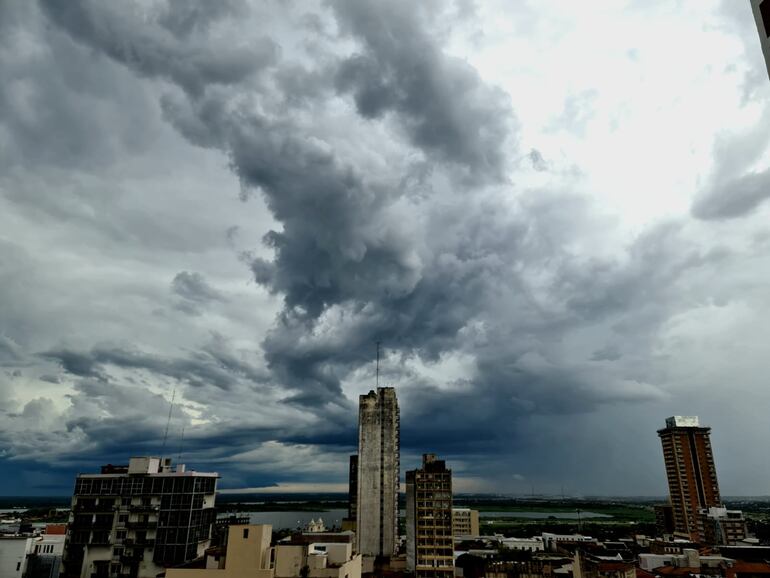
[{"x": 552, "y": 214}]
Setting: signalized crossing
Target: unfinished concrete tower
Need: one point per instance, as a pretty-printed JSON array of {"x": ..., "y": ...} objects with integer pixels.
[{"x": 378, "y": 473}]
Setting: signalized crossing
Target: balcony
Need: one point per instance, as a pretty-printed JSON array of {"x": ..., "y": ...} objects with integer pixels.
[
  {"x": 132, "y": 557},
  {"x": 140, "y": 542},
  {"x": 142, "y": 525},
  {"x": 144, "y": 508}
]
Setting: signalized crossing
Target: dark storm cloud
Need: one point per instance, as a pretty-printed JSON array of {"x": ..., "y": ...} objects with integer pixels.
[
  {"x": 362, "y": 256},
  {"x": 211, "y": 366},
  {"x": 440, "y": 101},
  {"x": 417, "y": 240},
  {"x": 185, "y": 17},
  {"x": 80, "y": 364},
  {"x": 194, "y": 292},
  {"x": 156, "y": 47}
]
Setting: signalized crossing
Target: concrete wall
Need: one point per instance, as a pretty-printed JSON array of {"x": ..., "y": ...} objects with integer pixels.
[
  {"x": 289, "y": 560},
  {"x": 248, "y": 556}
]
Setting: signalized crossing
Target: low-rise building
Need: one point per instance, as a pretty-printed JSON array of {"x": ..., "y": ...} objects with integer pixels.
[
  {"x": 720, "y": 526},
  {"x": 43, "y": 553},
  {"x": 690, "y": 560},
  {"x": 248, "y": 554},
  {"x": 556, "y": 542},
  {"x": 587, "y": 566},
  {"x": 672, "y": 546},
  {"x": 534, "y": 544}
]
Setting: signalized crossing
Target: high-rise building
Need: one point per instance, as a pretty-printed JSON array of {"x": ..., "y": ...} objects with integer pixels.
[
  {"x": 352, "y": 491},
  {"x": 429, "y": 539},
  {"x": 139, "y": 519},
  {"x": 761, "y": 9},
  {"x": 664, "y": 519},
  {"x": 378, "y": 473},
  {"x": 692, "y": 476}
]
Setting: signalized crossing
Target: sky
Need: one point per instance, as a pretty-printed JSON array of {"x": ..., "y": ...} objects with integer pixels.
[{"x": 552, "y": 215}]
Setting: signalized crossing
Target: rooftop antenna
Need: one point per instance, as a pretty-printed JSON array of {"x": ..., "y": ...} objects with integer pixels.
[
  {"x": 168, "y": 423},
  {"x": 378, "y": 365}
]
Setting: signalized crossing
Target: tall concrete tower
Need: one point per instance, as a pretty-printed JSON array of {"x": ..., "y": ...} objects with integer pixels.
[
  {"x": 691, "y": 473},
  {"x": 378, "y": 472}
]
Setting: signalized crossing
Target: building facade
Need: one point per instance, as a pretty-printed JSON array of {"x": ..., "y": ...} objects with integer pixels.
[
  {"x": 761, "y": 9},
  {"x": 429, "y": 537},
  {"x": 465, "y": 522},
  {"x": 248, "y": 554},
  {"x": 691, "y": 473},
  {"x": 43, "y": 554},
  {"x": 349, "y": 522},
  {"x": 378, "y": 473},
  {"x": 139, "y": 519},
  {"x": 722, "y": 527},
  {"x": 664, "y": 519}
]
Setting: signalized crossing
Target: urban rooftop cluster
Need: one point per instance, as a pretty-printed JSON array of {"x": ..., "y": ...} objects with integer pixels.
[{"x": 152, "y": 518}]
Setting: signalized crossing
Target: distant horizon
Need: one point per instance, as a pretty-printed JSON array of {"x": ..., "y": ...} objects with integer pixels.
[{"x": 551, "y": 497}]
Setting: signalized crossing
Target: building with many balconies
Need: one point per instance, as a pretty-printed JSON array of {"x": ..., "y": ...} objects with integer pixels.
[
  {"x": 137, "y": 520},
  {"x": 429, "y": 539}
]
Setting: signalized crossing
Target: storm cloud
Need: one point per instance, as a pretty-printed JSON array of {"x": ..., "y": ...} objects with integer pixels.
[{"x": 263, "y": 191}]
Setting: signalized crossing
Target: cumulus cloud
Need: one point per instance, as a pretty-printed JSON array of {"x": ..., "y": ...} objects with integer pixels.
[
  {"x": 383, "y": 200},
  {"x": 441, "y": 102}
]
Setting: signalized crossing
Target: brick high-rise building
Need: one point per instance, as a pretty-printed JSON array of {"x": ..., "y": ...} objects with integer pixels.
[
  {"x": 139, "y": 519},
  {"x": 429, "y": 537},
  {"x": 692, "y": 476},
  {"x": 378, "y": 473}
]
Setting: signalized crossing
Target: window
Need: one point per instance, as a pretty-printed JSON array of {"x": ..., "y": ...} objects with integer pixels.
[{"x": 245, "y": 533}]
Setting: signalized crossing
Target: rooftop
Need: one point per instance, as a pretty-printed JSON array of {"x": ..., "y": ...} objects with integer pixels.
[{"x": 682, "y": 421}]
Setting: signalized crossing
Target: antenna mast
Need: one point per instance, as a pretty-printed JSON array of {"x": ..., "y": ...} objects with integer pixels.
[
  {"x": 378, "y": 365},
  {"x": 181, "y": 446},
  {"x": 168, "y": 423}
]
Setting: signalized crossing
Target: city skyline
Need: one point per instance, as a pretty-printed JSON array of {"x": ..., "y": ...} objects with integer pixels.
[{"x": 553, "y": 217}]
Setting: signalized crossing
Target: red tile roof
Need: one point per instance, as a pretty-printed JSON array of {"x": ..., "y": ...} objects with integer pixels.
[
  {"x": 747, "y": 568},
  {"x": 56, "y": 529}
]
